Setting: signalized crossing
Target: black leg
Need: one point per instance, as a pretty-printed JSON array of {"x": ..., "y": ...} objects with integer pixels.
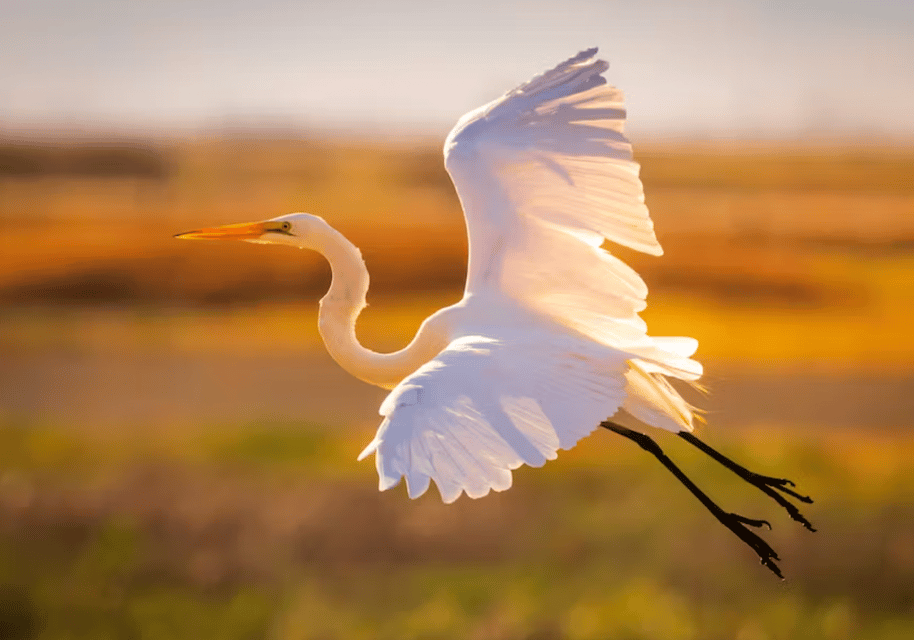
[
  {"x": 734, "y": 522},
  {"x": 769, "y": 485}
]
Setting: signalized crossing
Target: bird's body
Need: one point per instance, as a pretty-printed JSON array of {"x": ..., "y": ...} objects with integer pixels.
[{"x": 546, "y": 344}]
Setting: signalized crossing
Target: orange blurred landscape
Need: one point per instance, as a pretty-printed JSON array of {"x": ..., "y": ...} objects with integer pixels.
[
  {"x": 177, "y": 451},
  {"x": 761, "y": 210}
]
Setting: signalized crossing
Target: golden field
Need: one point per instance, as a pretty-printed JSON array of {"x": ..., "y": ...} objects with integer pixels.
[{"x": 177, "y": 451}]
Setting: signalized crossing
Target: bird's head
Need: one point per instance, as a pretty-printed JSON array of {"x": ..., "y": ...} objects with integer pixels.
[{"x": 293, "y": 229}]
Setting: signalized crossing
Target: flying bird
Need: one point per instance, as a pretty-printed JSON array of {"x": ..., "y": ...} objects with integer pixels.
[{"x": 546, "y": 344}]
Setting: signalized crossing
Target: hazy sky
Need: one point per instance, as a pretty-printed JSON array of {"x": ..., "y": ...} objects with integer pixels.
[{"x": 707, "y": 68}]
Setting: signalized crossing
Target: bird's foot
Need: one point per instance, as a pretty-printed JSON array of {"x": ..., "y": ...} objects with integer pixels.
[
  {"x": 771, "y": 486},
  {"x": 780, "y": 484},
  {"x": 758, "y": 524},
  {"x": 767, "y": 556},
  {"x": 776, "y": 488}
]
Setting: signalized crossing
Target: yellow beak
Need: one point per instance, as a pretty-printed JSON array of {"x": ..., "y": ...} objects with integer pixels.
[{"x": 244, "y": 231}]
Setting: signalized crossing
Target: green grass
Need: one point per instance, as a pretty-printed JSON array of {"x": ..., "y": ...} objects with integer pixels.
[
  {"x": 27, "y": 448},
  {"x": 263, "y": 531}
]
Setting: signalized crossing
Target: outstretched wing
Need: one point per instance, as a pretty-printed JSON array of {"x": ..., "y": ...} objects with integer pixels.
[
  {"x": 545, "y": 174},
  {"x": 483, "y": 407}
]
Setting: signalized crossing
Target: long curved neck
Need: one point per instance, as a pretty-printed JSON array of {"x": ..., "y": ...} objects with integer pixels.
[{"x": 340, "y": 308}]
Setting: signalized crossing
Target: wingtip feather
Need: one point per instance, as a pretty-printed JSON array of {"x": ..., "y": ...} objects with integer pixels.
[
  {"x": 586, "y": 54},
  {"x": 387, "y": 482},
  {"x": 367, "y": 451},
  {"x": 416, "y": 484}
]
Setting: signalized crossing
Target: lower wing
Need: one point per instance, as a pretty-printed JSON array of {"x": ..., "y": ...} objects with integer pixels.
[{"x": 485, "y": 406}]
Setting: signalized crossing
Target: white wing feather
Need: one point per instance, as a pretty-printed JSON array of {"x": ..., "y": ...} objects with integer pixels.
[
  {"x": 553, "y": 344},
  {"x": 485, "y": 406},
  {"x": 545, "y": 176}
]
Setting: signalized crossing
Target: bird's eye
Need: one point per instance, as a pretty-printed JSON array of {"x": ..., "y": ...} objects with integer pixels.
[{"x": 286, "y": 226}]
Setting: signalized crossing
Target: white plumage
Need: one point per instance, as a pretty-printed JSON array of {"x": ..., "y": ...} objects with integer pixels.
[
  {"x": 546, "y": 344},
  {"x": 549, "y": 342}
]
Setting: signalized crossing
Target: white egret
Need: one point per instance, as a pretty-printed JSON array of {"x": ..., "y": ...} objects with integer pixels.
[{"x": 546, "y": 344}]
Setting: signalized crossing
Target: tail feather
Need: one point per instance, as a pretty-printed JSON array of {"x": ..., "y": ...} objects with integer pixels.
[{"x": 652, "y": 400}]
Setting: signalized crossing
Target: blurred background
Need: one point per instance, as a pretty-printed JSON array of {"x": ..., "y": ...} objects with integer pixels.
[{"x": 177, "y": 451}]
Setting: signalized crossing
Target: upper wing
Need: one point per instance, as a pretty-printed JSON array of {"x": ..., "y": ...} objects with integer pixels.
[
  {"x": 483, "y": 407},
  {"x": 545, "y": 174}
]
